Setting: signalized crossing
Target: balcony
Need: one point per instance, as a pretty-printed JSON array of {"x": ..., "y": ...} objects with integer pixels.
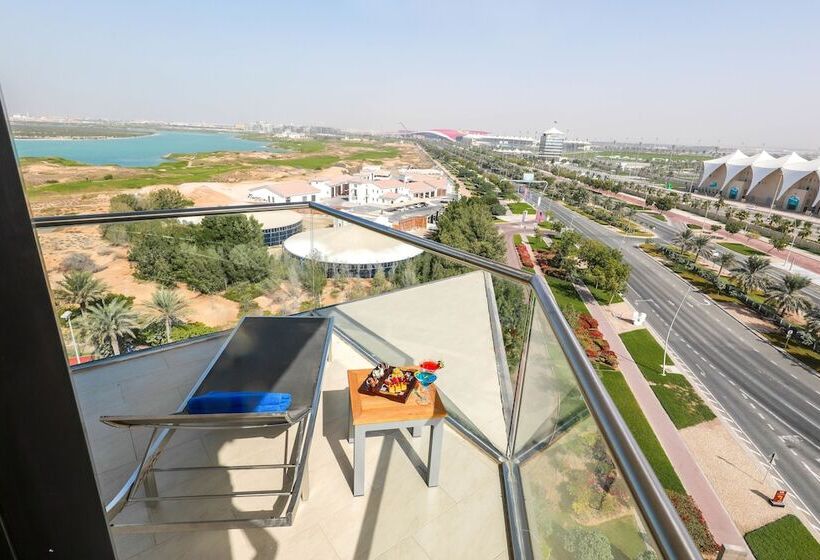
[{"x": 536, "y": 462}]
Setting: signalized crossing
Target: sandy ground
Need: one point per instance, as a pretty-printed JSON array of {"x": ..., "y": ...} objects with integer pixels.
[
  {"x": 116, "y": 272},
  {"x": 735, "y": 475}
]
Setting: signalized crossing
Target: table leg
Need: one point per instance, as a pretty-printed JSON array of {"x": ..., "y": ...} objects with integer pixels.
[
  {"x": 359, "y": 439},
  {"x": 349, "y": 420},
  {"x": 434, "y": 456},
  {"x": 415, "y": 431}
]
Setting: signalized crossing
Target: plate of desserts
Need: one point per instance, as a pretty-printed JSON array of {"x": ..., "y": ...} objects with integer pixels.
[{"x": 390, "y": 382}]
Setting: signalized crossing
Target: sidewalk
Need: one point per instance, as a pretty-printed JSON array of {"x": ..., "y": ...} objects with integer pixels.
[{"x": 695, "y": 482}]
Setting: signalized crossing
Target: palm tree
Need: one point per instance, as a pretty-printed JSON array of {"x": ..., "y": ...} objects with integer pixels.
[
  {"x": 80, "y": 288},
  {"x": 167, "y": 307},
  {"x": 108, "y": 321},
  {"x": 684, "y": 239},
  {"x": 813, "y": 322},
  {"x": 699, "y": 243},
  {"x": 749, "y": 275},
  {"x": 724, "y": 260},
  {"x": 785, "y": 296}
]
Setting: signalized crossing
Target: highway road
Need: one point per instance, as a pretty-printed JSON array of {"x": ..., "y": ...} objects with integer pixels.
[
  {"x": 667, "y": 232},
  {"x": 771, "y": 403}
]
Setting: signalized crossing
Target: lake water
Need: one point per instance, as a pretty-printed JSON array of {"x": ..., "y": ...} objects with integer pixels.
[{"x": 138, "y": 151}]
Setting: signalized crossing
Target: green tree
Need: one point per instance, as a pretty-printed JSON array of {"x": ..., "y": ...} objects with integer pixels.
[
  {"x": 167, "y": 308},
  {"x": 228, "y": 231},
  {"x": 313, "y": 275},
  {"x": 725, "y": 260},
  {"x": 780, "y": 241},
  {"x": 586, "y": 544},
  {"x": 157, "y": 256},
  {"x": 107, "y": 323},
  {"x": 700, "y": 243},
  {"x": 750, "y": 274},
  {"x": 786, "y": 295},
  {"x": 202, "y": 270},
  {"x": 166, "y": 199},
  {"x": 247, "y": 263},
  {"x": 80, "y": 288},
  {"x": 684, "y": 239},
  {"x": 379, "y": 284}
]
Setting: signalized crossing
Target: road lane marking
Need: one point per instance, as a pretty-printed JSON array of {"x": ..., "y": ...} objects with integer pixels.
[{"x": 770, "y": 426}]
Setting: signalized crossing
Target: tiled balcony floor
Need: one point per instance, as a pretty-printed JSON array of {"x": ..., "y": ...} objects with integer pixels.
[{"x": 398, "y": 517}]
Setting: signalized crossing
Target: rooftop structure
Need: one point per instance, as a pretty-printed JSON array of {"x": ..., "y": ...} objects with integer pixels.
[
  {"x": 285, "y": 191},
  {"x": 356, "y": 250}
]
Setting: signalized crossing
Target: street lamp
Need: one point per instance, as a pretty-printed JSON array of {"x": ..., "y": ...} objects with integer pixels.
[
  {"x": 669, "y": 332},
  {"x": 67, "y": 317}
]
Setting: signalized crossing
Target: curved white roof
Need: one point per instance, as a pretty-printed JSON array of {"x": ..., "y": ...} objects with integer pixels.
[
  {"x": 762, "y": 169},
  {"x": 349, "y": 245},
  {"x": 736, "y": 165},
  {"x": 711, "y": 165},
  {"x": 794, "y": 172}
]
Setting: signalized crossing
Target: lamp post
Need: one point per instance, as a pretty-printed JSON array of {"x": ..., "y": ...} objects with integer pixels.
[
  {"x": 67, "y": 317},
  {"x": 669, "y": 332}
]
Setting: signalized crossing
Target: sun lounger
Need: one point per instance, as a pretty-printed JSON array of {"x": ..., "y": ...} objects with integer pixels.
[{"x": 262, "y": 356}]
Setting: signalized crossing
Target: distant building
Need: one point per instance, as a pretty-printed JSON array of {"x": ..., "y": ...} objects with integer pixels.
[
  {"x": 787, "y": 183},
  {"x": 551, "y": 144},
  {"x": 577, "y": 146},
  {"x": 286, "y": 191},
  {"x": 500, "y": 143}
]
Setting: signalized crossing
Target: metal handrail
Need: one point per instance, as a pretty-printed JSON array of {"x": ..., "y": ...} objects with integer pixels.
[{"x": 663, "y": 522}]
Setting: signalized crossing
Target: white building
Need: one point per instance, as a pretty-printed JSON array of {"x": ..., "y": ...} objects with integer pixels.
[
  {"x": 787, "y": 183},
  {"x": 551, "y": 144},
  {"x": 286, "y": 191},
  {"x": 368, "y": 191}
]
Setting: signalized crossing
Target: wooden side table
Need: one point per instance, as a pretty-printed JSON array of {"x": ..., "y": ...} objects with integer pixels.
[{"x": 370, "y": 413}]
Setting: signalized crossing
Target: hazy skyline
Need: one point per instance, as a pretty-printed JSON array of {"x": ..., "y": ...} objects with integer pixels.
[{"x": 731, "y": 73}]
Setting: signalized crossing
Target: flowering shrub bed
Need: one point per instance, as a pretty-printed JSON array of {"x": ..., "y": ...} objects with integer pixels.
[
  {"x": 524, "y": 256},
  {"x": 593, "y": 341}
]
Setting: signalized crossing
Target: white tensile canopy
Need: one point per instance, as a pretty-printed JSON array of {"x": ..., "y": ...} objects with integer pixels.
[
  {"x": 794, "y": 172},
  {"x": 736, "y": 165},
  {"x": 762, "y": 169},
  {"x": 711, "y": 165}
]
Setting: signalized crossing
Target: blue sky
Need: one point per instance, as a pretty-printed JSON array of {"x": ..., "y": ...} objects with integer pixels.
[{"x": 734, "y": 73}]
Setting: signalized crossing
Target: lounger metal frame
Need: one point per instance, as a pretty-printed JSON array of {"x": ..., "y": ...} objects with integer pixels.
[{"x": 165, "y": 426}]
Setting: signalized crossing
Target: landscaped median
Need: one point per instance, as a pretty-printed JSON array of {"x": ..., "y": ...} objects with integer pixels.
[
  {"x": 785, "y": 538},
  {"x": 724, "y": 290},
  {"x": 677, "y": 396}
]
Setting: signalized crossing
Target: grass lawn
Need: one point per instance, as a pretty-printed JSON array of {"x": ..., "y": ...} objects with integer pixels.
[
  {"x": 622, "y": 536},
  {"x": 537, "y": 243},
  {"x": 639, "y": 426},
  {"x": 52, "y": 160},
  {"x": 301, "y": 146},
  {"x": 517, "y": 239},
  {"x": 677, "y": 396},
  {"x": 565, "y": 294},
  {"x": 307, "y": 162},
  {"x": 386, "y": 153},
  {"x": 798, "y": 351},
  {"x": 657, "y": 215},
  {"x": 785, "y": 538},
  {"x": 603, "y": 297},
  {"x": 740, "y": 248},
  {"x": 520, "y": 208}
]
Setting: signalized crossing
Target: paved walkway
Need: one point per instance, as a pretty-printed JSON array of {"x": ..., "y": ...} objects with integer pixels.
[{"x": 695, "y": 482}]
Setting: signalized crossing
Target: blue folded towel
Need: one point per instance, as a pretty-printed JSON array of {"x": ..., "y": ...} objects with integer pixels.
[{"x": 217, "y": 402}]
